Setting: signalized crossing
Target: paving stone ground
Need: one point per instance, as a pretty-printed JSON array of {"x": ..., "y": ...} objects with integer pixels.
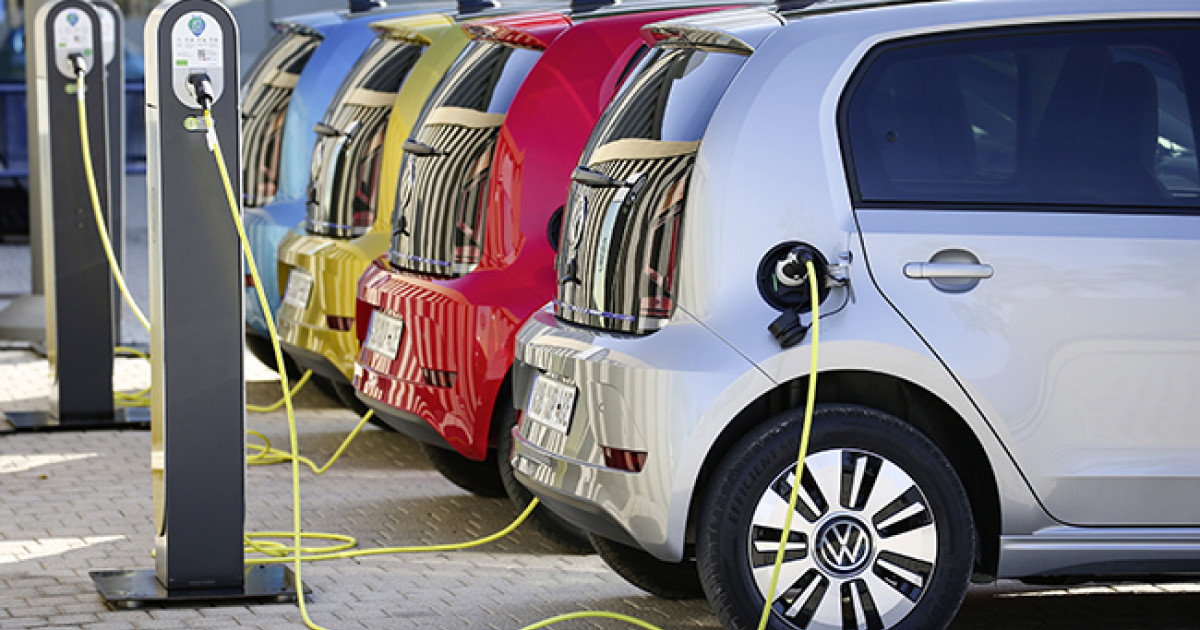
[{"x": 74, "y": 502}]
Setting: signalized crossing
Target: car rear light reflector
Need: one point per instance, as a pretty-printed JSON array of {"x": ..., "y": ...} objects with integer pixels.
[
  {"x": 622, "y": 459},
  {"x": 439, "y": 378},
  {"x": 339, "y": 323}
]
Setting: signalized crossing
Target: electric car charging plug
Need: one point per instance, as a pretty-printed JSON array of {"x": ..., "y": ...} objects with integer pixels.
[
  {"x": 78, "y": 63},
  {"x": 201, "y": 87}
]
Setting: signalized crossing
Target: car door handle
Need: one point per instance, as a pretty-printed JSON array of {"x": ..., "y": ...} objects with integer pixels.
[{"x": 947, "y": 271}]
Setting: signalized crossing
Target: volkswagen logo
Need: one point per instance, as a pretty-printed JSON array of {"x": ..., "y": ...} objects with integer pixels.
[{"x": 843, "y": 546}]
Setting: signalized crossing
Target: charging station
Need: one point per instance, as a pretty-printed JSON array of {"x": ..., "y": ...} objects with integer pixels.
[
  {"x": 198, "y": 394},
  {"x": 80, "y": 332}
]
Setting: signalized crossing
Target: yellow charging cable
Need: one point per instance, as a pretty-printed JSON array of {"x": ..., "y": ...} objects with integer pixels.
[
  {"x": 809, "y": 405},
  {"x": 91, "y": 182},
  {"x": 279, "y": 403},
  {"x": 264, "y": 454}
]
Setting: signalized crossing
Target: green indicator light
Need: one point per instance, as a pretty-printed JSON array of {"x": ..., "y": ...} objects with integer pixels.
[
  {"x": 181, "y": 62},
  {"x": 87, "y": 52},
  {"x": 191, "y": 123}
]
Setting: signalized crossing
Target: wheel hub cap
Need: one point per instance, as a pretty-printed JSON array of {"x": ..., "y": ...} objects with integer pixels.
[{"x": 843, "y": 546}]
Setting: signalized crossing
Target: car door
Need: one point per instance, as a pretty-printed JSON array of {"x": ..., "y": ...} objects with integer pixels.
[{"x": 1028, "y": 202}]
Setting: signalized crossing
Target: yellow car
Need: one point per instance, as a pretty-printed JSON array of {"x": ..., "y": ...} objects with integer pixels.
[{"x": 356, "y": 166}]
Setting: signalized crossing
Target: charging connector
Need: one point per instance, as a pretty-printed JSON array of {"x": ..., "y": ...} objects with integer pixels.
[
  {"x": 784, "y": 279},
  {"x": 78, "y": 63},
  {"x": 201, "y": 88}
]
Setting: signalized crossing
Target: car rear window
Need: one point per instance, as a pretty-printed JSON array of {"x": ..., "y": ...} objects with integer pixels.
[{"x": 1074, "y": 117}]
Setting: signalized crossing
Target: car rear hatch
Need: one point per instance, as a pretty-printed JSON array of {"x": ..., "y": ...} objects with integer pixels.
[
  {"x": 345, "y": 167},
  {"x": 268, "y": 92},
  {"x": 442, "y": 196},
  {"x": 618, "y": 257}
]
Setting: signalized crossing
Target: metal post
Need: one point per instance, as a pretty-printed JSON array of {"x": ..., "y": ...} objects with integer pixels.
[{"x": 198, "y": 389}]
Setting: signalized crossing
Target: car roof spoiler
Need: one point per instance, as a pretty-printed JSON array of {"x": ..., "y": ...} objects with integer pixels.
[
  {"x": 412, "y": 29},
  {"x": 531, "y": 29},
  {"x": 736, "y": 31}
]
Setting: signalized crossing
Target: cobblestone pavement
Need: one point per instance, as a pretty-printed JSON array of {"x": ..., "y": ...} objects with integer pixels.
[
  {"x": 80, "y": 501},
  {"x": 74, "y": 502}
]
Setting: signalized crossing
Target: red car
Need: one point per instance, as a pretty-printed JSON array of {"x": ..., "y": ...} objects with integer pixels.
[{"x": 475, "y": 229}]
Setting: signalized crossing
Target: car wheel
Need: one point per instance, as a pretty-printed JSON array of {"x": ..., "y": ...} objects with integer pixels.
[
  {"x": 882, "y": 536},
  {"x": 669, "y": 580},
  {"x": 567, "y": 536},
  {"x": 477, "y": 477}
]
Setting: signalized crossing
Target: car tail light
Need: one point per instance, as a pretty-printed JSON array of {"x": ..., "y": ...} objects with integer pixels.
[
  {"x": 339, "y": 323},
  {"x": 623, "y": 459},
  {"x": 471, "y": 209},
  {"x": 367, "y": 191},
  {"x": 662, "y": 256}
]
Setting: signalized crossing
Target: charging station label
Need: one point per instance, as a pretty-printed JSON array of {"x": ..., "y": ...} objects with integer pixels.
[
  {"x": 197, "y": 41},
  {"x": 72, "y": 35},
  {"x": 197, "y": 47}
]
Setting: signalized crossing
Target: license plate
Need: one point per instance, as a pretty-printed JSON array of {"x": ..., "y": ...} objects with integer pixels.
[
  {"x": 299, "y": 286},
  {"x": 551, "y": 403},
  {"x": 383, "y": 335}
]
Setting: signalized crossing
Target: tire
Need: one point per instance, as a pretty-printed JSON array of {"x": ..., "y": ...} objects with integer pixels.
[
  {"x": 562, "y": 533},
  {"x": 477, "y": 477},
  {"x": 669, "y": 580},
  {"x": 866, "y": 568}
]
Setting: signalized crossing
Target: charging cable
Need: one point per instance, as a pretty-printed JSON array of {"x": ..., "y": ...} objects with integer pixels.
[
  {"x": 89, "y": 170},
  {"x": 809, "y": 405}
]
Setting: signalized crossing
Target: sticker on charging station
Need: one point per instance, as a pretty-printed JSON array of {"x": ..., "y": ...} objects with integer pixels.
[
  {"x": 299, "y": 286},
  {"x": 72, "y": 36},
  {"x": 197, "y": 47},
  {"x": 551, "y": 403},
  {"x": 383, "y": 334}
]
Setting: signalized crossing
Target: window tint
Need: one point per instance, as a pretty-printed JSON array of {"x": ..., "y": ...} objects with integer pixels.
[{"x": 1078, "y": 117}]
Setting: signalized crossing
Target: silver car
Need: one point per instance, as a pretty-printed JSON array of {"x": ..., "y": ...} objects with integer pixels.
[{"x": 1002, "y": 202}]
